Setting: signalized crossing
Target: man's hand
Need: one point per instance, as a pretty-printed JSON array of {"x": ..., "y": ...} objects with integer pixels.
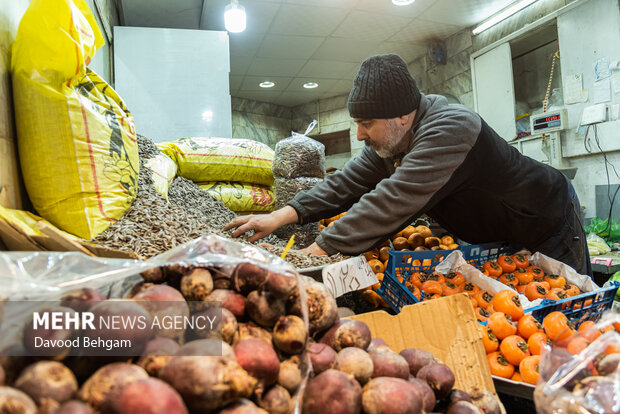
[
  {"x": 263, "y": 225},
  {"x": 312, "y": 250}
]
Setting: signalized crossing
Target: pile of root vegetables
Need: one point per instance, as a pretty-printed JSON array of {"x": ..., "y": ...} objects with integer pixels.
[{"x": 265, "y": 358}]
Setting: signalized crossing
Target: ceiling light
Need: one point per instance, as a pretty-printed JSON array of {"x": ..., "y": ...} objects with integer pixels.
[
  {"x": 402, "y": 2},
  {"x": 507, "y": 12},
  {"x": 311, "y": 85},
  {"x": 266, "y": 84},
  {"x": 234, "y": 17}
]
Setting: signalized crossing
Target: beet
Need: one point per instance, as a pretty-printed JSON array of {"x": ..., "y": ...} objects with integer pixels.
[
  {"x": 439, "y": 377},
  {"x": 391, "y": 396},
  {"x": 156, "y": 354},
  {"x": 164, "y": 301},
  {"x": 289, "y": 334},
  {"x": 81, "y": 300},
  {"x": 225, "y": 327},
  {"x": 196, "y": 284},
  {"x": 322, "y": 357},
  {"x": 138, "y": 335},
  {"x": 47, "y": 406},
  {"x": 332, "y": 392},
  {"x": 230, "y": 300},
  {"x": 15, "y": 401},
  {"x": 459, "y": 395},
  {"x": 242, "y": 406},
  {"x": 248, "y": 277},
  {"x": 150, "y": 396},
  {"x": 74, "y": 407},
  {"x": 387, "y": 363},
  {"x": 355, "y": 361},
  {"x": 428, "y": 396},
  {"x": 47, "y": 380},
  {"x": 259, "y": 359},
  {"x": 608, "y": 364},
  {"x": 290, "y": 374},
  {"x": 463, "y": 407},
  {"x": 29, "y": 334},
  {"x": 321, "y": 305},
  {"x": 282, "y": 286},
  {"x": 346, "y": 333},
  {"x": 102, "y": 389},
  {"x": 206, "y": 347},
  {"x": 416, "y": 359},
  {"x": 375, "y": 343},
  {"x": 154, "y": 275},
  {"x": 485, "y": 401},
  {"x": 276, "y": 400},
  {"x": 264, "y": 308},
  {"x": 250, "y": 330},
  {"x": 208, "y": 383}
]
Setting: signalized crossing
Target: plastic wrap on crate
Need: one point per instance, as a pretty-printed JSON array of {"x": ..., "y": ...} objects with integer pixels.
[
  {"x": 577, "y": 383},
  {"x": 555, "y": 267}
]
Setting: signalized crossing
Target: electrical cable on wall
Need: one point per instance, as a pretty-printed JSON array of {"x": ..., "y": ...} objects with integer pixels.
[
  {"x": 608, "y": 164},
  {"x": 556, "y": 55}
]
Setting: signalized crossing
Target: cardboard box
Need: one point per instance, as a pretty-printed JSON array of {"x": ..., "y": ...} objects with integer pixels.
[{"x": 447, "y": 327}]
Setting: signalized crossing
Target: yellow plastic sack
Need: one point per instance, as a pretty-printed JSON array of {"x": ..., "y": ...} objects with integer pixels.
[
  {"x": 76, "y": 138},
  {"x": 221, "y": 159},
  {"x": 242, "y": 197},
  {"x": 26, "y": 222},
  {"x": 163, "y": 172}
]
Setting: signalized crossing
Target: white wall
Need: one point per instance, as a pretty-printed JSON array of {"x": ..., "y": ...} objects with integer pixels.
[{"x": 587, "y": 33}]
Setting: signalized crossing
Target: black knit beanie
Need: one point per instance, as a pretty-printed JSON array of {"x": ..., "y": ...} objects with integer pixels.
[{"x": 383, "y": 88}]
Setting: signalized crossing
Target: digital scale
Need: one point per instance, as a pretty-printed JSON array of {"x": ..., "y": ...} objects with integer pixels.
[{"x": 551, "y": 121}]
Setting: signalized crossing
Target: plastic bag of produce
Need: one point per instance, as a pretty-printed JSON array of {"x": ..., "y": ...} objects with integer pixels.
[
  {"x": 163, "y": 171},
  {"x": 260, "y": 298},
  {"x": 588, "y": 382},
  {"x": 285, "y": 189},
  {"x": 299, "y": 156},
  {"x": 602, "y": 228},
  {"x": 242, "y": 198},
  {"x": 221, "y": 159},
  {"x": 76, "y": 138},
  {"x": 596, "y": 245}
]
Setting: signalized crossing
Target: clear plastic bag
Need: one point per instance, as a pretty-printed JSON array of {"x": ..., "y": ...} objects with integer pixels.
[
  {"x": 588, "y": 382},
  {"x": 285, "y": 189},
  {"x": 597, "y": 245},
  {"x": 299, "y": 156}
]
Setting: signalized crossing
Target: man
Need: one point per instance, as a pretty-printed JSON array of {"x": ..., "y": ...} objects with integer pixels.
[{"x": 424, "y": 156}]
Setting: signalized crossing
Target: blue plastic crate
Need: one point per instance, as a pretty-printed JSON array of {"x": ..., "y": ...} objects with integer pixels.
[
  {"x": 404, "y": 263},
  {"x": 575, "y": 307}
]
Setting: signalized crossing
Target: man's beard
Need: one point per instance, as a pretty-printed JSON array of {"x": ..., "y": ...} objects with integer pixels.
[{"x": 393, "y": 139}]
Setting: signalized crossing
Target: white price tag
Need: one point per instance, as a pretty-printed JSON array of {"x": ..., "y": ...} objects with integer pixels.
[{"x": 348, "y": 276}]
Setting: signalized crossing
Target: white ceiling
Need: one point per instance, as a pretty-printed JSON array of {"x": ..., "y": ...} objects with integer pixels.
[{"x": 291, "y": 42}]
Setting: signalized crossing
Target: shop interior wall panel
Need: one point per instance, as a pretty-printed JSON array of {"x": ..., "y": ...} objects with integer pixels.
[{"x": 175, "y": 82}]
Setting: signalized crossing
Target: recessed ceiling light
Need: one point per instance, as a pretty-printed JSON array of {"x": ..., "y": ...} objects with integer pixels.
[
  {"x": 266, "y": 84},
  {"x": 311, "y": 85},
  {"x": 402, "y": 2}
]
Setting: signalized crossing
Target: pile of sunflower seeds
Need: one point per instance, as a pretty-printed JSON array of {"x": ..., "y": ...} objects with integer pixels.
[
  {"x": 301, "y": 261},
  {"x": 153, "y": 225},
  {"x": 299, "y": 156}
]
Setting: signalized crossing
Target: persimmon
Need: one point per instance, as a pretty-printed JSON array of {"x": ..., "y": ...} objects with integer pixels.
[
  {"x": 576, "y": 344},
  {"x": 506, "y": 263},
  {"x": 437, "y": 277},
  {"x": 539, "y": 274},
  {"x": 529, "y": 369},
  {"x": 470, "y": 288},
  {"x": 546, "y": 285},
  {"x": 415, "y": 291},
  {"x": 447, "y": 240},
  {"x": 429, "y": 296},
  {"x": 514, "y": 349},
  {"x": 520, "y": 261},
  {"x": 537, "y": 342},
  {"x": 493, "y": 268},
  {"x": 516, "y": 377},
  {"x": 450, "y": 288},
  {"x": 555, "y": 281},
  {"x": 556, "y": 294},
  {"x": 535, "y": 290},
  {"x": 612, "y": 349},
  {"x": 521, "y": 289},
  {"x": 499, "y": 366},
  {"x": 501, "y": 325},
  {"x": 527, "y": 326},
  {"x": 483, "y": 298},
  {"x": 407, "y": 231},
  {"x": 571, "y": 290},
  {"x": 481, "y": 314},
  {"x": 384, "y": 253},
  {"x": 455, "y": 277},
  {"x": 415, "y": 280},
  {"x": 557, "y": 327},
  {"x": 371, "y": 254},
  {"x": 483, "y": 271},
  {"x": 509, "y": 279},
  {"x": 489, "y": 340},
  {"x": 432, "y": 287},
  {"x": 474, "y": 302},
  {"x": 508, "y": 302},
  {"x": 376, "y": 265},
  {"x": 524, "y": 276},
  {"x": 378, "y": 284}
]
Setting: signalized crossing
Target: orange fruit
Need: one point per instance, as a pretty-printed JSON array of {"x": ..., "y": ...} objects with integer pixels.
[
  {"x": 506, "y": 263},
  {"x": 499, "y": 366},
  {"x": 501, "y": 325},
  {"x": 557, "y": 327},
  {"x": 489, "y": 340},
  {"x": 507, "y": 301},
  {"x": 535, "y": 290},
  {"x": 514, "y": 349},
  {"x": 537, "y": 342},
  {"x": 527, "y": 326},
  {"x": 529, "y": 369}
]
